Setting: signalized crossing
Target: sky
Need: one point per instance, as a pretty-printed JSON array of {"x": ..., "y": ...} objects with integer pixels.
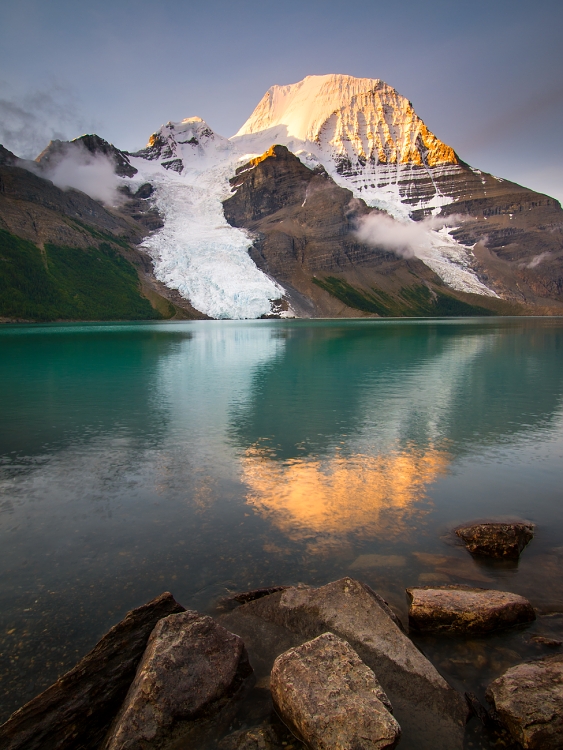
[{"x": 486, "y": 77}]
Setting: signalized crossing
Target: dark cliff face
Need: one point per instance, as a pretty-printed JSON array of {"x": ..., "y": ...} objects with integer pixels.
[
  {"x": 300, "y": 216},
  {"x": 304, "y": 223}
]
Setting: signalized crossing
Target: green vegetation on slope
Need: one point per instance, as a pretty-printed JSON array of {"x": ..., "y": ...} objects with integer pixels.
[
  {"x": 65, "y": 283},
  {"x": 410, "y": 301}
]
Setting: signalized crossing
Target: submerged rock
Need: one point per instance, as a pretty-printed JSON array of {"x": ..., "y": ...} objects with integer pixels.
[
  {"x": 528, "y": 699},
  {"x": 230, "y": 602},
  {"x": 187, "y": 686},
  {"x": 500, "y": 540},
  {"x": 460, "y": 610},
  {"x": 430, "y": 712},
  {"x": 263, "y": 737},
  {"x": 331, "y": 699},
  {"x": 77, "y": 709}
]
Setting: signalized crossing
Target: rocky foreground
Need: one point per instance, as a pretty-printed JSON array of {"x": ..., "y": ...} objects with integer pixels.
[{"x": 335, "y": 662}]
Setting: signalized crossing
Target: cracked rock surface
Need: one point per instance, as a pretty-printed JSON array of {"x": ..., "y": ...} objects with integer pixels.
[
  {"x": 331, "y": 699},
  {"x": 500, "y": 540}
]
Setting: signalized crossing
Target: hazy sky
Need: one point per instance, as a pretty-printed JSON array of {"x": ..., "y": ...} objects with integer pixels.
[{"x": 486, "y": 76}]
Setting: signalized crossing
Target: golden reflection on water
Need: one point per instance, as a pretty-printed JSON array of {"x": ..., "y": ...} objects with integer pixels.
[{"x": 332, "y": 498}]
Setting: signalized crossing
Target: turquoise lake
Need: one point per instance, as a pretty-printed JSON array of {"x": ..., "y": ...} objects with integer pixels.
[{"x": 208, "y": 457}]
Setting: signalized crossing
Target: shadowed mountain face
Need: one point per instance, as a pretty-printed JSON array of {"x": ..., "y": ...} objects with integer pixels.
[{"x": 304, "y": 227}]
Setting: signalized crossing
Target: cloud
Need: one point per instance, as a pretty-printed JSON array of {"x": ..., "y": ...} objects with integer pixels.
[
  {"x": 93, "y": 174},
  {"x": 29, "y": 120},
  {"x": 537, "y": 259},
  {"x": 404, "y": 238}
]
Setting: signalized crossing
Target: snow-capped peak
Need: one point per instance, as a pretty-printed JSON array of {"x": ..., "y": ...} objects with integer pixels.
[
  {"x": 352, "y": 121},
  {"x": 178, "y": 145}
]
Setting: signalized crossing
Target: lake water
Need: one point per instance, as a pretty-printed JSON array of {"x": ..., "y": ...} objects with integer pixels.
[{"x": 207, "y": 457}]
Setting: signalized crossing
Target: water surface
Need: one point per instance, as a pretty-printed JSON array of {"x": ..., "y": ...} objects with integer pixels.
[{"x": 206, "y": 457}]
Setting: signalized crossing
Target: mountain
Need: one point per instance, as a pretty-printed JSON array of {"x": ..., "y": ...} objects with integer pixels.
[
  {"x": 85, "y": 148},
  {"x": 369, "y": 139},
  {"x": 304, "y": 230},
  {"x": 334, "y": 198},
  {"x": 65, "y": 256}
]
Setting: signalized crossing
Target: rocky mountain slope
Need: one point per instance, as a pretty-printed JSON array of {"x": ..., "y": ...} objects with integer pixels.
[
  {"x": 304, "y": 229},
  {"x": 66, "y": 256},
  {"x": 364, "y": 212}
]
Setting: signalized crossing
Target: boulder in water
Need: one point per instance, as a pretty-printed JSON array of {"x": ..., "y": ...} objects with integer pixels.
[
  {"x": 528, "y": 699},
  {"x": 77, "y": 709},
  {"x": 500, "y": 540},
  {"x": 187, "y": 687},
  {"x": 458, "y": 610},
  {"x": 430, "y": 712}
]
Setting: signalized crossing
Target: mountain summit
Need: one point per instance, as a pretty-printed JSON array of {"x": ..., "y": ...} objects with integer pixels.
[{"x": 357, "y": 120}]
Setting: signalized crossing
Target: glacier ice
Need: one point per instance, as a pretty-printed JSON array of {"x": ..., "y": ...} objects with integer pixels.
[{"x": 197, "y": 252}]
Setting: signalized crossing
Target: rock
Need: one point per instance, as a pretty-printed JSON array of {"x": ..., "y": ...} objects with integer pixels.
[
  {"x": 187, "y": 687},
  {"x": 504, "y": 540},
  {"x": 464, "y": 610},
  {"x": 263, "y": 737},
  {"x": 76, "y": 711},
  {"x": 330, "y": 699},
  {"x": 431, "y": 714},
  {"x": 528, "y": 699},
  {"x": 543, "y": 641},
  {"x": 230, "y": 602}
]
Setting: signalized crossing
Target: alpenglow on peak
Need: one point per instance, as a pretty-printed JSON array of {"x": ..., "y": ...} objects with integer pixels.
[{"x": 351, "y": 118}]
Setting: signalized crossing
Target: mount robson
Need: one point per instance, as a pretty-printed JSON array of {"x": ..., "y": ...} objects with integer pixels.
[{"x": 332, "y": 200}]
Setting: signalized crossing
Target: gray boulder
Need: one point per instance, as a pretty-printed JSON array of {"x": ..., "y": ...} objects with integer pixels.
[
  {"x": 187, "y": 689},
  {"x": 460, "y": 610},
  {"x": 500, "y": 540},
  {"x": 431, "y": 713},
  {"x": 76, "y": 711},
  {"x": 330, "y": 699},
  {"x": 528, "y": 699}
]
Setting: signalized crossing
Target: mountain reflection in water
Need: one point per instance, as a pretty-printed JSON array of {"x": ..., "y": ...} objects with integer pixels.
[{"x": 324, "y": 501}]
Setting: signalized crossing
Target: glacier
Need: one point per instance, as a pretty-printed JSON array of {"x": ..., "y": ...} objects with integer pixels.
[{"x": 197, "y": 252}]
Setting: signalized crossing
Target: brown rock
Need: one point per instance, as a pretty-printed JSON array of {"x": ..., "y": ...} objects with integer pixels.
[
  {"x": 263, "y": 737},
  {"x": 504, "y": 540},
  {"x": 528, "y": 699},
  {"x": 187, "y": 687},
  {"x": 76, "y": 711},
  {"x": 430, "y": 712},
  {"x": 543, "y": 641},
  {"x": 462, "y": 609},
  {"x": 331, "y": 699},
  {"x": 232, "y": 601}
]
